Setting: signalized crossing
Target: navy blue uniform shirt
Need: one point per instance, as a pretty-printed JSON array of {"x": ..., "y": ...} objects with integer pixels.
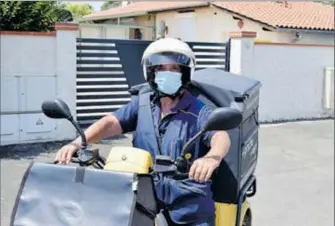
[
  {"x": 189, "y": 110},
  {"x": 174, "y": 130}
]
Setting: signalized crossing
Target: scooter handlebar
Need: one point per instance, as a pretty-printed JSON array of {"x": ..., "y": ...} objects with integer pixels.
[{"x": 85, "y": 157}]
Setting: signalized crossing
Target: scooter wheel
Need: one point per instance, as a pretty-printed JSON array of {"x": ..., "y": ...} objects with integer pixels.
[{"x": 247, "y": 220}]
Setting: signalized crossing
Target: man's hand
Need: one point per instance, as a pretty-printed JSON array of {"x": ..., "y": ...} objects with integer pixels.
[
  {"x": 203, "y": 168},
  {"x": 64, "y": 155}
]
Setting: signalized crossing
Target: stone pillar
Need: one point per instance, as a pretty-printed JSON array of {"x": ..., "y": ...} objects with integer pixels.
[
  {"x": 242, "y": 52},
  {"x": 66, "y": 57}
]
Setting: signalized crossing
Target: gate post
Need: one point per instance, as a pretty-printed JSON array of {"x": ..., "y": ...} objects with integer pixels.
[
  {"x": 241, "y": 52},
  {"x": 66, "y": 68}
]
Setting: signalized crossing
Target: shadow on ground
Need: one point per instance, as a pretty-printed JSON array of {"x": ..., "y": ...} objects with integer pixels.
[{"x": 30, "y": 151}]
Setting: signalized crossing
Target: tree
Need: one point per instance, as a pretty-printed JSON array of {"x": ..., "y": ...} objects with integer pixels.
[
  {"x": 31, "y": 15},
  {"x": 110, "y": 4},
  {"x": 79, "y": 10},
  {"x": 327, "y": 2}
]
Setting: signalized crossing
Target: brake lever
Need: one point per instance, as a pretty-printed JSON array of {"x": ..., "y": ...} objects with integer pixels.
[
  {"x": 75, "y": 161},
  {"x": 72, "y": 160}
]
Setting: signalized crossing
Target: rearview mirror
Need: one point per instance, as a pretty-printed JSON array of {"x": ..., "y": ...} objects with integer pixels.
[
  {"x": 59, "y": 109},
  {"x": 56, "y": 109},
  {"x": 223, "y": 119}
]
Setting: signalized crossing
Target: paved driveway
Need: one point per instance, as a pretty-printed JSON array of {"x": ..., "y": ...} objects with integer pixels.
[{"x": 295, "y": 174}]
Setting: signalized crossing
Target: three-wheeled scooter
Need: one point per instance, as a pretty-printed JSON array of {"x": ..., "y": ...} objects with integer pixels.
[{"x": 123, "y": 193}]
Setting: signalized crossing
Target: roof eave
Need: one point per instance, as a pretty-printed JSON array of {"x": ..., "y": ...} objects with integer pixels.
[
  {"x": 108, "y": 17},
  {"x": 200, "y": 5},
  {"x": 318, "y": 31}
]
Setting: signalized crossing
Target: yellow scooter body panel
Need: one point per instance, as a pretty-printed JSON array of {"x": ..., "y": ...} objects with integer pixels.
[
  {"x": 129, "y": 159},
  {"x": 226, "y": 213}
]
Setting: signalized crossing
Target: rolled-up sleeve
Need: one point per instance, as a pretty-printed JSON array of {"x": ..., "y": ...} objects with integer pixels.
[{"x": 127, "y": 115}]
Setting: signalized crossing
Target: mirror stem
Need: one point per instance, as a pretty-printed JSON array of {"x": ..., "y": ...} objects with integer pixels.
[
  {"x": 82, "y": 135},
  {"x": 189, "y": 144}
]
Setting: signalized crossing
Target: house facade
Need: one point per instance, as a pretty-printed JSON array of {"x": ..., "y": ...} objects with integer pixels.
[{"x": 212, "y": 22}]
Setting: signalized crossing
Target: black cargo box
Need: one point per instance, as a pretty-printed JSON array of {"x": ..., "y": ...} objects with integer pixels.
[{"x": 223, "y": 89}]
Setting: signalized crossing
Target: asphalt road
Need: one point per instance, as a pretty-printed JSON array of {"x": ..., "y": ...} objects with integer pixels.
[{"x": 295, "y": 174}]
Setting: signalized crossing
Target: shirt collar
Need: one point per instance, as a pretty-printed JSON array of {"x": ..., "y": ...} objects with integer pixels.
[{"x": 183, "y": 103}]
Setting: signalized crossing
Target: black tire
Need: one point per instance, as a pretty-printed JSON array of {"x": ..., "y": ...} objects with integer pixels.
[{"x": 247, "y": 219}]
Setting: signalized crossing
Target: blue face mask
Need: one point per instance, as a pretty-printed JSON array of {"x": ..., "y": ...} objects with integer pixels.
[{"x": 168, "y": 82}]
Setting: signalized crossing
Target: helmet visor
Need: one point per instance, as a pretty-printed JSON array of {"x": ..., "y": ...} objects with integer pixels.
[{"x": 168, "y": 58}]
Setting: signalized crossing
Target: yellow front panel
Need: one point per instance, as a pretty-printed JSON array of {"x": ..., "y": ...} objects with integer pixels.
[
  {"x": 128, "y": 159},
  {"x": 226, "y": 213}
]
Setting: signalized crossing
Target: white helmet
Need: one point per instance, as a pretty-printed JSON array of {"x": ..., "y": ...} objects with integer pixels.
[{"x": 168, "y": 51}]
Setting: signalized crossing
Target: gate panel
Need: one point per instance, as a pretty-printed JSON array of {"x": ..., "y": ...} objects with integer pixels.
[
  {"x": 209, "y": 55},
  {"x": 101, "y": 83},
  {"x": 106, "y": 68}
]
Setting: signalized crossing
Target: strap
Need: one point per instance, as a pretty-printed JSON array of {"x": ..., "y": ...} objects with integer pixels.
[
  {"x": 80, "y": 174},
  {"x": 145, "y": 106},
  {"x": 151, "y": 214}
]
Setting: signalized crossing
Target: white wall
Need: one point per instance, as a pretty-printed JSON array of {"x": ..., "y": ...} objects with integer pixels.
[
  {"x": 22, "y": 55},
  {"x": 35, "y": 68},
  {"x": 293, "y": 80},
  {"x": 100, "y": 31},
  {"x": 292, "y": 76}
]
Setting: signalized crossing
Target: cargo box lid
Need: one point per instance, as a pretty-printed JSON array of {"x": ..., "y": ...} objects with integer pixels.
[{"x": 216, "y": 83}]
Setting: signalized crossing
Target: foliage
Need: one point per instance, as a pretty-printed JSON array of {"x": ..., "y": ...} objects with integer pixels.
[
  {"x": 79, "y": 10},
  {"x": 110, "y": 4},
  {"x": 31, "y": 15},
  {"x": 327, "y": 2}
]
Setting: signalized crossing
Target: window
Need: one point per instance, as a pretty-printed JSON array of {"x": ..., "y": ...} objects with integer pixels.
[{"x": 135, "y": 33}]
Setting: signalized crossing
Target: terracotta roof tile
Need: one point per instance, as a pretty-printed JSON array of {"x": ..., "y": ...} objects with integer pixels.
[{"x": 299, "y": 15}]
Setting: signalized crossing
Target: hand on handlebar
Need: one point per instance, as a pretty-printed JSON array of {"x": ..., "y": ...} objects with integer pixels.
[
  {"x": 65, "y": 154},
  {"x": 203, "y": 168}
]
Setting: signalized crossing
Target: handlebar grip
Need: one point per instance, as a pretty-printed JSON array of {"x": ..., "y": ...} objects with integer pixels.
[
  {"x": 180, "y": 176},
  {"x": 75, "y": 155}
]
